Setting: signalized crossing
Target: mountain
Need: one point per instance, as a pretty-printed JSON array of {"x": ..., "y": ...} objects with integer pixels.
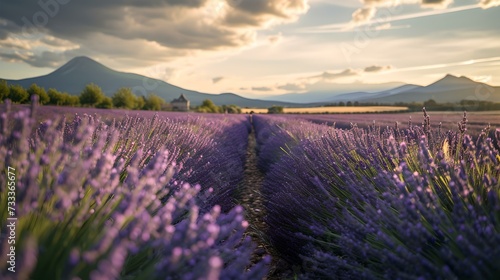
[
  {"x": 326, "y": 93},
  {"x": 397, "y": 90},
  {"x": 452, "y": 82},
  {"x": 73, "y": 76},
  {"x": 448, "y": 89},
  {"x": 363, "y": 96}
]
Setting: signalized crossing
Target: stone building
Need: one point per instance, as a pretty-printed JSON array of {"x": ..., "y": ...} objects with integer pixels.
[{"x": 180, "y": 104}]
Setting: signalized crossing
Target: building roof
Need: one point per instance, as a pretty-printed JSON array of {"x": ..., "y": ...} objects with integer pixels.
[{"x": 181, "y": 98}]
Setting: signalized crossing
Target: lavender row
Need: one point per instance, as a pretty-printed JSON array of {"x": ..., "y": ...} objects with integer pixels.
[
  {"x": 208, "y": 150},
  {"x": 274, "y": 134},
  {"x": 100, "y": 200},
  {"x": 366, "y": 204}
]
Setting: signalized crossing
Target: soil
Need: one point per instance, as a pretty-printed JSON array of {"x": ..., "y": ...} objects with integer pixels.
[{"x": 251, "y": 199}]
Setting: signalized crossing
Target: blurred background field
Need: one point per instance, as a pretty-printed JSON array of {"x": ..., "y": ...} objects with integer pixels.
[
  {"x": 332, "y": 110},
  {"x": 449, "y": 120},
  {"x": 341, "y": 119}
]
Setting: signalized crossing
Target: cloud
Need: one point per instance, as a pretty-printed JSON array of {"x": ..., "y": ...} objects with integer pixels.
[
  {"x": 56, "y": 42},
  {"x": 300, "y": 84},
  {"x": 14, "y": 44},
  {"x": 171, "y": 28},
  {"x": 292, "y": 87},
  {"x": 327, "y": 76},
  {"x": 451, "y": 64},
  {"x": 384, "y": 26},
  {"x": 377, "y": 68},
  {"x": 18, "y": 43},
  {"x": 262, "y": 88},
  {"x": 436, "y": 4},
  {"x": 274, "y": 39},
  {"x": 44, "y": 51},
  {"x": 385, "y": 3},
  {"x": 161, "y": 72},
  {"x": 7, "y": 27},
  {"x": 485, "y": 4},
  {"x": 376, "y": 21},
  {"x": 44, "y": 59},
  {"x": 217, "y": 79},
  {"x": 261, "y": 12},
  {"x": 363, "y": 14},
  {"x": 369, "y": 9},
  {"x": 389, "y": 26},
  {"x": 378, "y": 3},
  {"x": 482, "y": 79},
  {"x": 425, "y": 3}
]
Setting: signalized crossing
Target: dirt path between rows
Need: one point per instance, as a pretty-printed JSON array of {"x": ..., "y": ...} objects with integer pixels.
[{"x": 251, "y": 199}]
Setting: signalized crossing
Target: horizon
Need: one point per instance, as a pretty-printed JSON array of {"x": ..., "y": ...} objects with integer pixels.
[
  {"x": 335, "y": 94},
  {"x": 255, "y": 50}
]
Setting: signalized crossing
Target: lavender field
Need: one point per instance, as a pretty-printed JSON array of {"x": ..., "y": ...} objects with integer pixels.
[
  {"x": 102, "y": 194},
  {"x": 448, "y": 120}
]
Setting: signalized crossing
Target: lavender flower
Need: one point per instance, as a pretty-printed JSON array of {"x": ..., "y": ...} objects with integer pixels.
[
  {"x": 366, "y": 204},
  {"x": 122, "y": 201}
]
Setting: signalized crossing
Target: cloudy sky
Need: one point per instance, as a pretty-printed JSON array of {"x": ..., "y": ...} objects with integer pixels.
[{"x": 257, "y": 47}]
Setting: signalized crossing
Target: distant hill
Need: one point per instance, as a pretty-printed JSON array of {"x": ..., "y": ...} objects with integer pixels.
[
  {"x": 73, "y": 76},
  {"x": 448, "y": 89},
  {"x": 334, "y": 93},
  {"x": 363, "y": 96}
]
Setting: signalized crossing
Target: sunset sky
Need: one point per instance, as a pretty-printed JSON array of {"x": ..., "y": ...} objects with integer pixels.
[{"x": 257, "y": 47}]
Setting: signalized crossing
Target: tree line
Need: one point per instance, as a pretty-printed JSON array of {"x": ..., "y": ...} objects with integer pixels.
[
  {"x": 462, "y": 105},
  {"x": 93, "y": 96},
  {"x": 430, "y": 105},
  {"x": 208, "y": 106}
]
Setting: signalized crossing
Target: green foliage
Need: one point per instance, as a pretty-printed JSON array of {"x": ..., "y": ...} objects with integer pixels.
[
  {"x": 43, "y": 97},
  {"x": 106, "y": 103},
  {"x": 208, "y": 106},
  {"x": 140, "y": 101},
  {"x": 430, "y": 103},
  {"x": 62, "y": 98},
  {"x": 478, "y": 105},
  {"x": 275, "y": 110},
  {"x": 91, "y": 95},
  {"x": 55, "y": 97},
  {"x": 18, "y": 94},
  {"x": 4, "y": 90},
  {"x": 231, "y": 109},
  {"x": 70, "y": 100},
  {"x": 153, "y": 102},
  {"x": 124, "y": 98}
]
